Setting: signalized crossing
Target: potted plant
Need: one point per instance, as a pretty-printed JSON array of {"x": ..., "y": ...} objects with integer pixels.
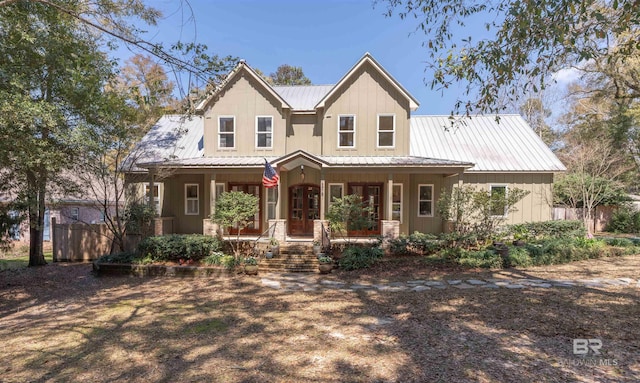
[
  {"x": 317, "y": 247},
  {"x": 275, "y": 246},
  {"x": 250, "y": 265},
  {"x": 325, "y": 264}
]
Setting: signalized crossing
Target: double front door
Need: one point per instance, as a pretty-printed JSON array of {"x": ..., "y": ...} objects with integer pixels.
[{"x": 304, "y": 208}]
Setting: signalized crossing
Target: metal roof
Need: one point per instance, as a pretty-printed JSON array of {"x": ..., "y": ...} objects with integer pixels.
[
  {"x": 331, "y": 161},
  {"x": 509, "y": 145},
  {"x": 302, "y": 97},
  {"x": 172, "y": 137}
]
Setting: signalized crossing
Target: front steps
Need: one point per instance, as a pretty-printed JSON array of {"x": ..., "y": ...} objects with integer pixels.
[{"x": 293, "y": 258}]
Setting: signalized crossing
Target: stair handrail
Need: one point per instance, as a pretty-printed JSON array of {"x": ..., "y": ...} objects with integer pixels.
[{"x": 255, "y": 243}]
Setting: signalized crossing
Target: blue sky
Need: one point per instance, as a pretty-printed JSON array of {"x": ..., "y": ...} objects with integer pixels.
[{"x": 326, "y": 38}]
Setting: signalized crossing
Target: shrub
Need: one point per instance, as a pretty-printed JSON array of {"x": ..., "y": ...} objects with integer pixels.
[
  {"x": 178, "y": 246},
  {"x": 481, "y": 258},
  {"x": 519, "y": 257},
  {"x": 124, "y": 257},
  {"x": 358, "y": 257},
  {"x": 624, "y": 221},
  {"x": 417, "y": 242},
  {"x": 547, "y": 229},
  {"x": 619, "y": 242}
]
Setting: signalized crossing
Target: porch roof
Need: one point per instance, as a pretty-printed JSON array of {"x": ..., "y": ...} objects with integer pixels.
[{"x": 325, "y": 161}]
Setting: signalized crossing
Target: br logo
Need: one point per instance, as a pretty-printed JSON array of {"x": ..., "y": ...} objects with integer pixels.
[{"x": 583, "y": 346}]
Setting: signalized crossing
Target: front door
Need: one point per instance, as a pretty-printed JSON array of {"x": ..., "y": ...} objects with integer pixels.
[{"x": 304, "y": 208}]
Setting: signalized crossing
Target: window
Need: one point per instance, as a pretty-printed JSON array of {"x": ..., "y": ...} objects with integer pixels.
[
  {"x": 254, "y": 226},
  {"x": 226, "y": 132},
  {"x": 264, "y": 131},
  {"x": 75, "y": 213},
  {"x": 347, "y": 132},
  {"x": 191, "y": 199},
  {"x": 396, "y": 203},
  {"x": 272, "y": 201},
  {"x": 386, "y": 130},
  {"x": 498, "y": 200},
  {"x": 219, "y": 190},
  {"x": 335, "y": 191},
  {"x": 156, "y": 196},
  {"x": 425, "y": 200}
]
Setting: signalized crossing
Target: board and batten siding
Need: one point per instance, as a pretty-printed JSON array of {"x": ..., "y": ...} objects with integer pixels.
[
  {"x": 366, "y": 94},
  {"x": 535, "y": 207},
  {"x": 174, "y": 203},
  {"x": 244, "y": 99},
  {"x": 304, "y": 133}
]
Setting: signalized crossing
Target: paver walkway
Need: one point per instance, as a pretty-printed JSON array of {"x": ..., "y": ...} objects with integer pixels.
[{"x": 314, "y": 282}]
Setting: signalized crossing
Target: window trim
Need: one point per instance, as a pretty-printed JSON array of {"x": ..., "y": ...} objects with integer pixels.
[
  {"x": 432, "y": 200},
  {"x": 221, "y": 133},
  {"x": 187, "y": 199},
  {"x": 392, "y": 131},
  {"x": 258, "y": 132},
  {"x": 329, "y": 191},
  {"x": 506, "y": 193},
  {"x": 347, "y": 131},
  {"x": 401, "y": 200},
  {"x": 268, "y": 203}
]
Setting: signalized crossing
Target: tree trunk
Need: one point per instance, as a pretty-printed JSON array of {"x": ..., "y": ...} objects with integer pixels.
[{"x": 36, "y": 220}]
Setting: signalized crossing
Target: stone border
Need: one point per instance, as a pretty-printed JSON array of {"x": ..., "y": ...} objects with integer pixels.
[{"x": 114, "y": 269}]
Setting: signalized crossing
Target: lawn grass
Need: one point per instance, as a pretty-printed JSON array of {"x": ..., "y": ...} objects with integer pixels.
[
  {"x": 61, "y": 323},
  {"x": 20, "y": 261}
]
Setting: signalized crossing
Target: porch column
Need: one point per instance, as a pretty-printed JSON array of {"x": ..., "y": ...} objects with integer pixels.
[
  {"x": 212, "y": 193},
  {"x": 322, "y": 201},
  {"x": 278, "y": 200},
  {"x": 388, "y": 212},
  {"x": 151, "y": 197}
]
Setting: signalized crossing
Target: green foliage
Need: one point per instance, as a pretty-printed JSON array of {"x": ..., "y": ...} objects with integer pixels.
[
  {"x": 619, "y": 242},
  {"x": 477, "y": 212},
  {"x": 175, "y": 247},
  {"x": 349, "y": 213},
  {"x": 528, "y": 40},
  {"x": 139, "y": 219},
  {"x": 219, "y": 258},
  {"x": 480, "y": 258},
  {"x": 624, "y": 220},
  {"x": 546, "y": 229},
  {"x": 289, "y": 75},
  {"x": 359, "y": 257},
  {"x": 519, "y": 257},
  {"x": 9, "y": 226},
  {"x": 235, "y": 209},
  {"x": 569, "y": 190},
  {"x": 123, "y": 257},
  {"x": 325, "y": 260},
  {"x": 422, "y": 243},
  {"x": 250, "y": 261}
]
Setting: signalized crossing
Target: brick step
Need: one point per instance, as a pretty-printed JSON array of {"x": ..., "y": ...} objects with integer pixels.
[
  {"x": 290, "y": 262},
  {"x": 289, "y": 269}
]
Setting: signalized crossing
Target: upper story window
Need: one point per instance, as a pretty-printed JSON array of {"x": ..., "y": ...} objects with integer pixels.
[
  {"x": 347, "y": 131},
  {"x": 264, "y": 132},
  {"x": 226, "y": 132},
  {"x": 386, "y": 130}
]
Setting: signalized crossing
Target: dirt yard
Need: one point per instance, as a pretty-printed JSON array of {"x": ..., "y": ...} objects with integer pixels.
[{"x": 60, "y": 323}]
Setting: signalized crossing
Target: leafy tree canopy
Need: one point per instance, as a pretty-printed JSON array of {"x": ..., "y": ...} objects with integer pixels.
[
  {"x": 289, "y": 75},
  {"x": 528, "y": 42}
]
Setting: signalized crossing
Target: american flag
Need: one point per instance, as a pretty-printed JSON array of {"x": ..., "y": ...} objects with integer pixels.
[{"x": 269, "y": 177}]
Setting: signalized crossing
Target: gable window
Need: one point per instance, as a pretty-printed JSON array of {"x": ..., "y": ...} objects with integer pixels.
[
  {"x": 191, "y": 199},
  {"x": 425, "y": 200},
  {"x": 396, "y": 203},
  {"x": 386, "y": 130},
  {"x": 264, "y": 132},
  {"x": 347, "y": 131},
  {"x": 498, "y": 200},
  {"x": 226, "y": 132}
]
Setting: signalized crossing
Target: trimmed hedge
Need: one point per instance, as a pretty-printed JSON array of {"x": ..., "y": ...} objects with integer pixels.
[
  {"x": 175, "y": 247},
  {"x": 547, "y": 229},
  {"x": 624, "y": 221}
]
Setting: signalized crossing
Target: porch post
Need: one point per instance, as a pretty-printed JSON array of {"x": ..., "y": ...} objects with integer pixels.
[
  {"x": 212, "y": 193},
  {"x": 322, "y": 201},
  {"x": 388, "y": 212},
  {"x": 278, "y": 200},
  {"x": 151, "y": 197}
]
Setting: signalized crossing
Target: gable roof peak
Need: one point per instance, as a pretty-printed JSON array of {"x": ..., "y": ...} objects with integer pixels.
[{"x": 368, "y": 58}]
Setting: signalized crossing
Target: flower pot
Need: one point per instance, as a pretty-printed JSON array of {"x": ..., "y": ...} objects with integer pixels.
[
  {"x": 325, "y": 268},
  {"x": 268, "y": 255},
  {"x": 320, "y": 255},
  {"x": 251, "y": 269},
  {"x": 317, "y": 249},
  {"x": 275, "y": 250}
]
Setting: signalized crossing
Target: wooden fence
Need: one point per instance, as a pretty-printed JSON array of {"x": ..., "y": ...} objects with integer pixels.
[{"x": 600, "y": 216}]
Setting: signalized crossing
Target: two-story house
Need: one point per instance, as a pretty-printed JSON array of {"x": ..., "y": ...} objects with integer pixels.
[{"x": 325, "y": 141}]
